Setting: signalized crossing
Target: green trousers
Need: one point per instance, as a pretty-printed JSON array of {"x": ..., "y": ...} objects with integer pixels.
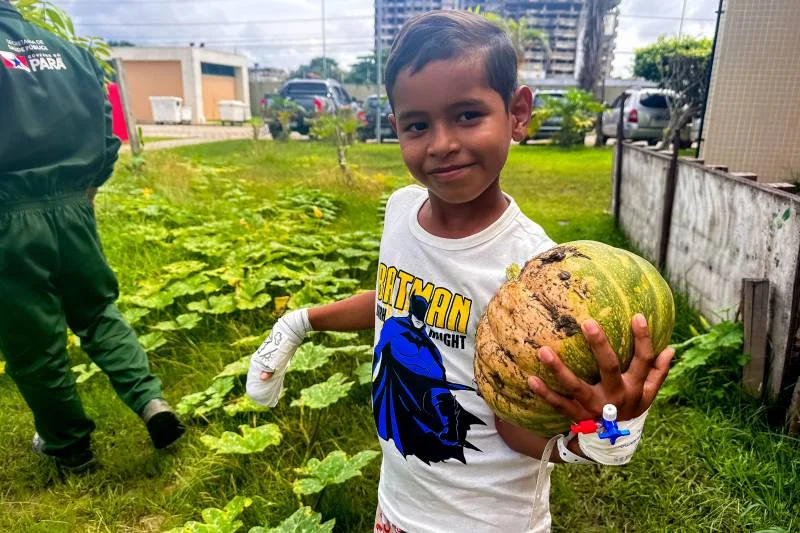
[{"x": 53, "y": 274}]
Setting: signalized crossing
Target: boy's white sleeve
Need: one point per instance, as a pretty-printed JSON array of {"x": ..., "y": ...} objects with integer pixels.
[{"x": 619, "y": 453}]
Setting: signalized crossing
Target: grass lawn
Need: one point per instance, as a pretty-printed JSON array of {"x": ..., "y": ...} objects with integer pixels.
[{"x": 227, "y": 234}]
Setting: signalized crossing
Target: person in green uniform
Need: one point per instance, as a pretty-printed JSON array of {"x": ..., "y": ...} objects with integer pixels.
[{"x": 56, "y": 149}]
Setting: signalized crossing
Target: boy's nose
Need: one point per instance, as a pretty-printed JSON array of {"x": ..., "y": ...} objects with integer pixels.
[{"x": 443, "y": 141}]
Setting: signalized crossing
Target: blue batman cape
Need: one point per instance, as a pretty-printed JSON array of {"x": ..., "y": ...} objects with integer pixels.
[{"x": 412, "y": 400}]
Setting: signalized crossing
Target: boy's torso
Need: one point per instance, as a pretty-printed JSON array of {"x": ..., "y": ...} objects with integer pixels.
[{"x": 444, "y": 466}]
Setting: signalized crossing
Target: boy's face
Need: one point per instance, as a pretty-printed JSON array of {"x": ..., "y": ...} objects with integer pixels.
[{"x": 454, "y": 129}]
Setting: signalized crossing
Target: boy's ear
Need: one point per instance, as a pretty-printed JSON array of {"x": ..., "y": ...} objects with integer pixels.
[
  {"x": 393, "y": 122},
  {"x": 520, "y": 109}
]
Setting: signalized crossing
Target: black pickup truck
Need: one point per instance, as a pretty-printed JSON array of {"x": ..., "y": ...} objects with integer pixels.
[{"x": 311, "y": 97}]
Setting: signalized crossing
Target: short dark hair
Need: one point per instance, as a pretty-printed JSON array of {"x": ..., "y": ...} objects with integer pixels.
[{"x": 440, "y": 35}]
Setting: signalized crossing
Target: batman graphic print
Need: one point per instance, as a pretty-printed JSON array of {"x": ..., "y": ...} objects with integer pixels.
[{"x": 412, "y": 401}]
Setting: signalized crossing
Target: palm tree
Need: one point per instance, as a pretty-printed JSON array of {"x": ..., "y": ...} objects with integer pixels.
[{"x": 521, "y": 34}]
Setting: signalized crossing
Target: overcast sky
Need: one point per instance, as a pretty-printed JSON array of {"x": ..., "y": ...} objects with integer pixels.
[{"x": 287, "y": 33}]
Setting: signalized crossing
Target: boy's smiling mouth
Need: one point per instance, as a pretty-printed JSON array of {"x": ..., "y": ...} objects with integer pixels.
[{"x": 451, "y": 171}]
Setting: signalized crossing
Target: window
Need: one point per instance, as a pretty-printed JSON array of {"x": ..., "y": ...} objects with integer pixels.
[
  {"x": 212, "y": 69},
  {"x": 657, "y": 101},
  {"x": 306, "y": 88}
]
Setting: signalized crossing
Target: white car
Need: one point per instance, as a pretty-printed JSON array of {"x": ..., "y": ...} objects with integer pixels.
[{"x": 646, "y": 115}]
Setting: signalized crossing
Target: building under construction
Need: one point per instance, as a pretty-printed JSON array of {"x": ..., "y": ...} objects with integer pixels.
[{"x": 562, "y": 21}]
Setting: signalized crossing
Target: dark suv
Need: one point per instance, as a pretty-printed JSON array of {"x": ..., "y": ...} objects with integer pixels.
[
  {"x": 367, "y": 131},
  {"x": 311, "y": 97}
]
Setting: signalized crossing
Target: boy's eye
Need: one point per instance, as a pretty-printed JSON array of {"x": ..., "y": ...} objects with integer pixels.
[
  {"x": 416, "y": 127},
  {"x": 469, "y": 115}
]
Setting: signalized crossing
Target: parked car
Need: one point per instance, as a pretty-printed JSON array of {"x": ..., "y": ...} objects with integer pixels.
[
  {"x": 646, "y": 115},
  {"x": 552, "y": 125},
  {"x": 313, "y": 96},
  {"x": 370, "y": 119}
]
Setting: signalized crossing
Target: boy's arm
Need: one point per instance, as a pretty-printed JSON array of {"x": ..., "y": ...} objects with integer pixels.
[
  {"x": 353, "y": 313},
  {"x": 523, "y": 441},
  {"x": 269, "y": 363}
]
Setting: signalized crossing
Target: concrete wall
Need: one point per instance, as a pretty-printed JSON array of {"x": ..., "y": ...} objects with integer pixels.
[
  {"x": 724, "y": 228},
  {"x": 753, "y": 116},
  {"x": 152, "y": 78},
  {"x": 190, "y": 60}
]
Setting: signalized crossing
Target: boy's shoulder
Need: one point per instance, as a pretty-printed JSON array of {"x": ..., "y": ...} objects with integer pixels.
[
  {"x": 403, "y": 200},
  {"x": 409, "y": 193}
]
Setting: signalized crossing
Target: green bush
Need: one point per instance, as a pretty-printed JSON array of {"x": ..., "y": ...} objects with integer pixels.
[{"x": 577, "y": 111}]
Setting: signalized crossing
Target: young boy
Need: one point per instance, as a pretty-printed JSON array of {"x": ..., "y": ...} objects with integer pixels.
[
  {"x": 56, "y": 149},
  {"x": 448, "y": 463}
]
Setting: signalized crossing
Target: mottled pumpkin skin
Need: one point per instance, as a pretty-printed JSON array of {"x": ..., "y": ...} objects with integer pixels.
[{"x": 555, "y": 292}]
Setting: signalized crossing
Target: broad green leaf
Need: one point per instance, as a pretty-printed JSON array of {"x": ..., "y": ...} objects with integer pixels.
[
  {"x": 364, "y": 373},
  {"x": 252, "y": 440},
  {"x": 180, "y": 269},
  {"x": 257, "y": 302},
  {"x": 215, "y": 305},
  {"x": 85, "y": 371},
  {"x": 217, "y": 520},
  {"x": 252, "y": 340},
  {"x": 334, "y": 469},
  {"x": 324, "y": 394},
  {"x": 159, "y": 300},
  {"x": 339, "y": 336},
  {"x": 2, "y": 367},
  {"x": 185, "y": 321},
  {"x": 250, "y": 288},
  {"x": 358, "y": 350},
  {"x": 308, "y": 357},
  {"x": 305, "y": 297},
  {"x": 202, "y": 403},
  {"x": 237, "y": 368},
  {"x": 152, "y": 341},
  {"x": 244, "y": 405},
  {"x": 193, "y": 285},
  {"x": 303, "y": 520},
  {"x": 352, "y": 253},
  {"x": 133, "y": 315}
]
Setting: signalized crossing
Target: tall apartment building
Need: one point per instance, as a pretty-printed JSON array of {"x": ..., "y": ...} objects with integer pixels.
[{"x": 562, "y": 20}]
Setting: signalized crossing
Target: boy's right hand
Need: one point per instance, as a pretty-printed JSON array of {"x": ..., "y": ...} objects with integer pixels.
[{"x": 269, "y": 363}]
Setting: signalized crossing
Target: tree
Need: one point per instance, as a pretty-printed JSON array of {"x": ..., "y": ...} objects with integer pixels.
[
  {"x": 591, "y": 68},
  {"x": 679, "y": 66},
  {"x": 363, "y": 71},
  {"x": 650, "y": 61},
  {"x": 120, "y": 43},
  {"x": 317, "y": 68},
  {"x": 522, "y": 35}
]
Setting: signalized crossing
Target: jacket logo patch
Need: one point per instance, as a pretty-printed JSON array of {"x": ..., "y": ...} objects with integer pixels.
[{"x": 14, "y": 61}]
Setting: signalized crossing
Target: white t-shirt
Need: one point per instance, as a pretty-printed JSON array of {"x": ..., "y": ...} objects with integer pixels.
[{"x": 445, "y": 468}]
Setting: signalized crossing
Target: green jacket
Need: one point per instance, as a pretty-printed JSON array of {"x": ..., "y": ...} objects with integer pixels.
[{"x": 55, "y": 118}]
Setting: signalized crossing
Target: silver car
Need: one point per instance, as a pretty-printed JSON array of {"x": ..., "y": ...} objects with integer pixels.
[{"x": 646, "y": 115}]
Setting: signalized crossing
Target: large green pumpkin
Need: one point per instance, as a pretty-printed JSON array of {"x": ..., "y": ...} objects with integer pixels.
[{"x": 545, "y": 305}]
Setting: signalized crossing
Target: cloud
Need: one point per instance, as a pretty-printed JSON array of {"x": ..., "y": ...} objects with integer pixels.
[{"x": 349, "y": 26}]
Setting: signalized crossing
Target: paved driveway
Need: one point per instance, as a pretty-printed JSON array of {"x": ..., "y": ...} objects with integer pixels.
[{"x": 182, "y": 135}]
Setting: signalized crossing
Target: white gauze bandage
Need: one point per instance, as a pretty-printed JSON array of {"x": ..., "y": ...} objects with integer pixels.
[
  {"x": 274, "y": 355},
  {"x": 619, "y": 453}
]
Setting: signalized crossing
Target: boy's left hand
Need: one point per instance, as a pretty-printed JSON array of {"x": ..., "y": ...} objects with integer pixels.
[{"x": 632, "y": 392}]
